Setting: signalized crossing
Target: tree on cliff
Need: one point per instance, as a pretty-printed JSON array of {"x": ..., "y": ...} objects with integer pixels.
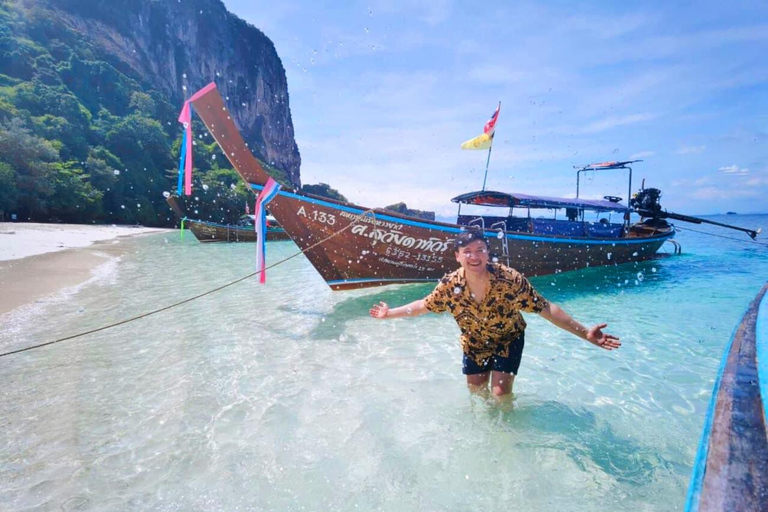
[{"x": 323, "y": 190}]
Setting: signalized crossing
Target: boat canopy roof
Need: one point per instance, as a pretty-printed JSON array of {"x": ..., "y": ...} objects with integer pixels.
[
  {"x": 604, "y": 166},
  {"x": 514, "y": 200}
]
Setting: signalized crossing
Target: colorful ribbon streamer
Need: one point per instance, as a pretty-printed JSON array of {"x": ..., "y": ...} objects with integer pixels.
[
  {"x": 185, "y": 159},
  {"x": 260, "y": 211},
  {"x": 181, "y": 165}
]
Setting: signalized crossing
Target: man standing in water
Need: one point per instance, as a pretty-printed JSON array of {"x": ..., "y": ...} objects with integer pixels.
[{"x": 485, "y": 299}]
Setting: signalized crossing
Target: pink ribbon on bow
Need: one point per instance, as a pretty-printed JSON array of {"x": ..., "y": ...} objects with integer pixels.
[{"x": 185, "y": 118}]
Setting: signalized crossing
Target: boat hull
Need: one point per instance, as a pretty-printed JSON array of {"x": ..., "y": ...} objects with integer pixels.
[
  {"x": 207, "y": 232},
  {"x": 353, "y": 249},
  {"x": 212, "y": 232},
  {"x": 731, "y": 467}
]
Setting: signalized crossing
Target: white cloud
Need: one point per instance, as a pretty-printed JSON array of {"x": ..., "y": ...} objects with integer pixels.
[
  {"x": 725, "y": 193},
  {"x": 641, "y": 155},
  {"x": 613, "y": 122},
  {"x": 690, "y": 150},
  {"x": 733, "y": 170}
]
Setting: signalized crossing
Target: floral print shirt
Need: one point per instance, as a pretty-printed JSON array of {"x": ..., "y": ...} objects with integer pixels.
[{"x": 490, "y": 327}]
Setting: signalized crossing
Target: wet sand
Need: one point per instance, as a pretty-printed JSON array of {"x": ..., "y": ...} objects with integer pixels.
[{"x": 37, "y": 260}]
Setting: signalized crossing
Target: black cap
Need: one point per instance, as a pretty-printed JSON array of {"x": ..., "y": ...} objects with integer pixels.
[{"x": 468, "y": 236}]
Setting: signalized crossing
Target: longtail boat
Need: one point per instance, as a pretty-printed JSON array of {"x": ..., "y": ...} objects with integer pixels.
[
  {"x": 244, "y": 231},
  {"x": 731, "y": 467},
  {"x": 353, "y": 246}
]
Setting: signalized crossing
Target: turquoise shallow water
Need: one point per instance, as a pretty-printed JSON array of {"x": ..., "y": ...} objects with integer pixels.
[{"x": 287, "y": 397}]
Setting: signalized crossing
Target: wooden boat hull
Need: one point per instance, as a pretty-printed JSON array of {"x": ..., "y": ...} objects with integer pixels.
[
  {"x": 210, "y": 232},
  {"x": 731, "y": 467},
  {"x": 353, "y": 249},
  {"x": 213, "y": 232}
]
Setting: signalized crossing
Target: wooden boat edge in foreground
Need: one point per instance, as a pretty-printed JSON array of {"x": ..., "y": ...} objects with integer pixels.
[{"x": 730, "y": 471}]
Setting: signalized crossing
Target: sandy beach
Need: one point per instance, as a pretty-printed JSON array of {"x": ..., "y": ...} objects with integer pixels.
[{"x": 37, "y": 260}]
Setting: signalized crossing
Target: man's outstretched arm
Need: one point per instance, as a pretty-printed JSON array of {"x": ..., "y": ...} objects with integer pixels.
[
  {"x": 415, "y": 308},
  {"x": 594, "y": 334}
]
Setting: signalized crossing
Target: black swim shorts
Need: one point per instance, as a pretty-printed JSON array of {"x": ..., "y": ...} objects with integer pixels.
[{"x": 496, "y": 362}]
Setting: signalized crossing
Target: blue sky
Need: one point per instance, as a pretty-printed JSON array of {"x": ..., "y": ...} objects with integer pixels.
[{"x": 383, "y": 93}]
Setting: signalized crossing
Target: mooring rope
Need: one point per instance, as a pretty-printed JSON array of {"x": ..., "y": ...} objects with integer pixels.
[
  {"x": 723, "y": 236},
  {"x": 209, "y": 292}
]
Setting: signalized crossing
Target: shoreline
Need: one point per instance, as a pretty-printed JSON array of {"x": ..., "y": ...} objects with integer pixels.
[{"x": 38, "y": 260}]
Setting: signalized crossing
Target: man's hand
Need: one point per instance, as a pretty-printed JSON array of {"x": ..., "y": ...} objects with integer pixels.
[
  {"x": 379, "y": 310},
  {"x": 596, "y": 336}
]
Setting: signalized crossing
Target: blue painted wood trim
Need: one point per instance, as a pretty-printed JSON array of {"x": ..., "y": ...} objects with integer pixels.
[
  {"x": 700, "y": 462},
  {"x": 379, "y": 280},
  {"x": 761, "y": 340}
]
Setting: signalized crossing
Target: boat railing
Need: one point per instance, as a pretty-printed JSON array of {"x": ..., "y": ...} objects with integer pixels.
[
  {"x": 501, "y": 227},
  {"x": 477, "y": 222},
  {"x": 509, "y": 223},
  {"x": 575, "y": 228}
]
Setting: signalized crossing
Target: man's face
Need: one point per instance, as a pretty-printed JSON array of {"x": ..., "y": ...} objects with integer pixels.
[{"x": 473, "y": 257}]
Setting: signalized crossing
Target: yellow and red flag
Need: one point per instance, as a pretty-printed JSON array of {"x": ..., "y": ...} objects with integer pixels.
[{"x": 485, "y": 140}]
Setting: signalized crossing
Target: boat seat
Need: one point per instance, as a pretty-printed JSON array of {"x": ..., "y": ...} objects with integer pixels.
[
  {"x": 558, "y": 227},
  {"x": 518, "y": 224},
  {"x": 599, "y": 230}
]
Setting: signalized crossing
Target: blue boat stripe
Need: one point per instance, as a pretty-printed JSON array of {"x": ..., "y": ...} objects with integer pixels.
[
  {"x": 509, "y": 236},
  {"x": 761, "y": 340},
  {"x": 372, "y": 280},
  {"x": 700, "y": 462}
]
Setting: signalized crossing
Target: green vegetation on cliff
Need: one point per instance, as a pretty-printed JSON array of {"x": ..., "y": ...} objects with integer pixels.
[
  {"x": 323, "y": 190},
  {"x": 84, "y": 139}
]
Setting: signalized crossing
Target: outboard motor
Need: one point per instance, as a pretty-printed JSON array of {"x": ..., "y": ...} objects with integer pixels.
[{"x": 646, "y": 202}]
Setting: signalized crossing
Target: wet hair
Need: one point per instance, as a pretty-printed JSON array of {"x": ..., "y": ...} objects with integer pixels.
[{"x": 468, "y": 236}]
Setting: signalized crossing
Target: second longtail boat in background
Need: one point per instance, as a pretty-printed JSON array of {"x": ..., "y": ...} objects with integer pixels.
[
  {"x": 353, "y": 247},
  {"x": 243, "y": 231}
]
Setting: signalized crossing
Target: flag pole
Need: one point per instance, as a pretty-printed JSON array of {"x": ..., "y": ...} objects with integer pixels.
[{"x": 486, "y": 164}]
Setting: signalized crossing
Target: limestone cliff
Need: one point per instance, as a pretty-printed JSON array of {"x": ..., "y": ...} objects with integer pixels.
[{"x": 180, "y": 46}]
